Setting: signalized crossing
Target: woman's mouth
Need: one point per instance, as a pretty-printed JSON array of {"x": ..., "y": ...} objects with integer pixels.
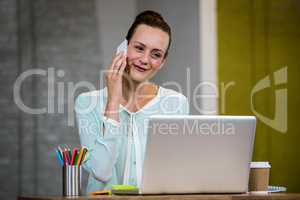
[{"x": 138, "y": 68}]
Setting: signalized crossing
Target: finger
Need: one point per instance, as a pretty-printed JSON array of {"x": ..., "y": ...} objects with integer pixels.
[
  {"x": 118, "y": 54},
  {"x": 115, "y": 59},
  {"x": 118, "y": 65},
  {"x": 123, "y": 66},
  {"x": 114, "y": 68}
]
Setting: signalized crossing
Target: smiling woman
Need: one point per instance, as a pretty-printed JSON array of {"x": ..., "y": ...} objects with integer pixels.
[
  {"x": 115, "y": 127},
  {"x": 146, "y": 55}
]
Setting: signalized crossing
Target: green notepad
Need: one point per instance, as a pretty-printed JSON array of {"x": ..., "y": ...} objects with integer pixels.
[{"x": 124, "y": 189}]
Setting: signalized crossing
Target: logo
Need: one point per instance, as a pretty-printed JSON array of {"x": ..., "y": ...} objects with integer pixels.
[{"x": 279, "y": 122}]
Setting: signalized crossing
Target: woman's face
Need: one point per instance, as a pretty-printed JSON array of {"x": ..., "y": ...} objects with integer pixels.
[{"x": 146, "y": 50}]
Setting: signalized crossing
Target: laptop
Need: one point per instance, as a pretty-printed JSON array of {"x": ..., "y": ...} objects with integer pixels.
[{"x": 198, "y": 154}]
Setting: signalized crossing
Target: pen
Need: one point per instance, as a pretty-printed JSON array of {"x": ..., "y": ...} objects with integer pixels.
[
  {"x": 60, "y": 151},
  {"x": 74, "y": 153},
  {"x": 85, "y": 156},
  {"x": 59, "y": 158},
  {"x": 67, "y": 160},
  {"x": 101, "y": 192},
  {"x": 64, "y": 158},
  {"x": 81, "y": 155},
  {"x": 69, "y": 154},
  {"x": 76, "y": 158}
]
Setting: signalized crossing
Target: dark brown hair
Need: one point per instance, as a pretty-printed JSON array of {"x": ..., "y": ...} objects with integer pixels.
[{"x": 153, "y": 19}]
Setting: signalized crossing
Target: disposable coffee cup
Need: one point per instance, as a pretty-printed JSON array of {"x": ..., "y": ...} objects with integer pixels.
[
  {"x": 259, "y": 177},
  {"x": 72, "y": 180}
]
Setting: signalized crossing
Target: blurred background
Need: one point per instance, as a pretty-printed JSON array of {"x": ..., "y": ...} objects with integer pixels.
[{"x": 230, "y": 44}]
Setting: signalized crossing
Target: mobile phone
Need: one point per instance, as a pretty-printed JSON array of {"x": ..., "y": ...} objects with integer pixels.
[{"x": 122, "y": 47}]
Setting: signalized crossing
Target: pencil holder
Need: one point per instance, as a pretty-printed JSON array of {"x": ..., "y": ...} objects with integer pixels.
[{"x": 72, "y": 180}]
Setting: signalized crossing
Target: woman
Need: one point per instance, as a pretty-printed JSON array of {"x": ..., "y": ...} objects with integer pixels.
[{"x": 114, "y": 129}]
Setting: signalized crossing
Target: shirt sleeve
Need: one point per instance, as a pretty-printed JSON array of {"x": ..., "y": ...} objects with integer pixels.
[
  {"x": 184, "y": 106},
  {"x": 100, "y": 135}
]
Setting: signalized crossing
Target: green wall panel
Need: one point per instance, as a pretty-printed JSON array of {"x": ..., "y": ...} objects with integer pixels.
[{"x": 255, "y": 39}]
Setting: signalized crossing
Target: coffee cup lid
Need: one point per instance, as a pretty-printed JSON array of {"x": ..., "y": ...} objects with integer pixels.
[{"x": 260, "y": 165}]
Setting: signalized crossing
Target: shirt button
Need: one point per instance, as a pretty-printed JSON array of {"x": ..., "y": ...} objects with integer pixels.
[{"x": 134, "y": 162}]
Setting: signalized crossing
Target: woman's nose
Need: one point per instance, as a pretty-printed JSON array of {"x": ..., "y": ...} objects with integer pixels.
[{"x": 144, "y": 60}]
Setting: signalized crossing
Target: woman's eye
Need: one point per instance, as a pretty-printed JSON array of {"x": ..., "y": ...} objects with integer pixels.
[
  {"x": 157, "y": 55},
  {"x": 139, "y": 48}
]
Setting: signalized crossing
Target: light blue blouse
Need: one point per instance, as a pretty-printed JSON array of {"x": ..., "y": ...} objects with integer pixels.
[{"x": 116, "y": 150}]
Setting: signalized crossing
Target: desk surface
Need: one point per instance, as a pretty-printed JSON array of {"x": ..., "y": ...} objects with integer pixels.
[{"x": 278, "y": 196}]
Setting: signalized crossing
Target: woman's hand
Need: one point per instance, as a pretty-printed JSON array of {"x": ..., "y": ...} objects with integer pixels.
[{"x": 114, "y": 86}]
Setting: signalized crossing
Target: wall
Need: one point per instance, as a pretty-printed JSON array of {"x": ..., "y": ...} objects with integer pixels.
[
  {"x": 255, "y": 39},
  {"x": 75, "y": 40},
  {"x": 113, "y": 20},
  {"x": 9, "y": 129},
  {"x": 41, "y": 35},
  {"x": 182, "y": 66}
]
